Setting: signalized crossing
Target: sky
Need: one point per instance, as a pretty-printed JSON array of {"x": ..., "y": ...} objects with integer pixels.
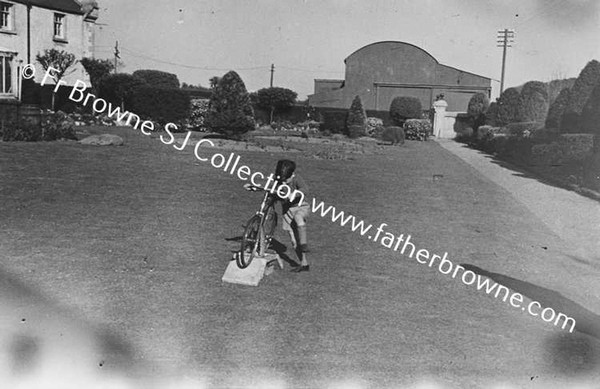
[{"x": 309, "y": 39}]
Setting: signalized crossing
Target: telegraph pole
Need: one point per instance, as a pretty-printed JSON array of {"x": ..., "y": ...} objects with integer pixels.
[
  {"x": 504, "y": 40},
  {"x": 272, "y": 71},
  {"x": 116, "y": 55}
]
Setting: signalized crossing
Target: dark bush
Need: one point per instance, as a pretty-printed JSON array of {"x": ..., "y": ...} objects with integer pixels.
[
  {"x": 356, "y": 115},
  {"x": 274, "y": 100},
  {"x": 158, "y": 79},
  {"x": 583, "y": 87},
  {"x": 333, "y": 121},
  {"x": 577, "y": 147},
  {"x": 590, "y": 116},
  {"x": 26, "y": 133},
  {"x": 509, "y": 107},
  {"x": 54, "y": 126},
  {"x": 119, "y": 88},
  {"x": 417, "y": 129},
  {"x": 491, "y": 115},
  {"x": 356, "y": 131},
  {"x": 393, "y": 134},
  {"x": 403, "y": 108},
  {"x": 557, "y": 109},
  {"x": 591, "y": 172},
  {"x": 534, "y": 102},
  {"x": 478, "y": 105},
  {"x": 581, "y": 91},
  {"x": 160, "y": 104},
  {"x": 230, "y": 111}
]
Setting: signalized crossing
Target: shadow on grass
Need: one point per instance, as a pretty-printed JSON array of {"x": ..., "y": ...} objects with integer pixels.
[
  {"x": 568, "y": 353},
  {"x": 275, "y": 245}
]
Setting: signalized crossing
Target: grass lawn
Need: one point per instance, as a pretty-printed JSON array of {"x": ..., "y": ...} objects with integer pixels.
[{"x": 135, "y": 239}]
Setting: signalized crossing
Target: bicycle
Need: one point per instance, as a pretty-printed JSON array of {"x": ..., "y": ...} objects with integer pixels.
[{"x": 259, "y": 230}]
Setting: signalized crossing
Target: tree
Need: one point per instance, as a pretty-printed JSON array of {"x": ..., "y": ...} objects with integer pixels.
[
  {"x": 356, "y": 122},
  {"x": 509, "y": 107},
  {"x": 580, "y": 93},
  {"x": 534, "y": 102},
  {"x": 158, "y": 79},
  {"x": 59, "y": 60},
  {"x": 478, "y": 105},
  {"x": 590, "y": 116},
  {"x": 405, "y": 107},
  {"x": 557, "y": 109},
  {"x": 230, "y": 111},
  {"x": 275, "y": 99},
  {"x": 97, "y": 69}
]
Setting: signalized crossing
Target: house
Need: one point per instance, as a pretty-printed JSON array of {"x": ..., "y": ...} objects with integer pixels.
[
  {"x": 381, "y": 71},
  {"x": 28, "y": 27}
]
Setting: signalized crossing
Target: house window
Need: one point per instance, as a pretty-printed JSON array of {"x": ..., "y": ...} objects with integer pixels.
[
  {"x": 59, "y": 27},
  {"x": 6, "y": 17},
  {"x": 6, "y": 74}
]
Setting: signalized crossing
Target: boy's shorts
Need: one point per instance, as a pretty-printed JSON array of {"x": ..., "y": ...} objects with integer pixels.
[{"x": 295, "y": 214}]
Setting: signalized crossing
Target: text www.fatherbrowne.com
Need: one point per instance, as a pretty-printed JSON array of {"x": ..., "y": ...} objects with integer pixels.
[{"x": 445, "y": 266}]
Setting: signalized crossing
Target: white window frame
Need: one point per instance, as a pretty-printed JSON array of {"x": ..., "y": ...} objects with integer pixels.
[
  {"x": 60, "y": 20},
  {"x": 11, "y": 91},
  {"x": 10, "y": 17}
]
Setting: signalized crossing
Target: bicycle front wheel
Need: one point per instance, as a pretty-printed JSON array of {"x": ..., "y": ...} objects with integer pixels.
[{"x": 251, "y": 242}]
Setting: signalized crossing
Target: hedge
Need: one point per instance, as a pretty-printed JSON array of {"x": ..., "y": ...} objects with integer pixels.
[{"x": 160, "y": 104}]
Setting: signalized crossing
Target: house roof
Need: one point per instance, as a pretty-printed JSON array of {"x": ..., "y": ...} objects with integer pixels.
[{"x": 68, "y": 6}]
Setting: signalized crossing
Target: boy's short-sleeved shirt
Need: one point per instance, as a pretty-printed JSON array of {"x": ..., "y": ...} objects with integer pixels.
[{"x": 297, "y": 183}]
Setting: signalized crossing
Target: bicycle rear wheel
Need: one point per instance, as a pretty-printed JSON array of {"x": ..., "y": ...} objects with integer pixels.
[{"x": 251, "y": 242}]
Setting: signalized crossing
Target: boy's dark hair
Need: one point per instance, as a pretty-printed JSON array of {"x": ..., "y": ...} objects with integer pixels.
[{"x": 285, "y": 168}]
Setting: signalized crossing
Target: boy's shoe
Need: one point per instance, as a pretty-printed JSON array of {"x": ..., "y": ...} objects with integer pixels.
[
  {"x": 304, "y": 248},
  {"x": 300, "y": 269}
]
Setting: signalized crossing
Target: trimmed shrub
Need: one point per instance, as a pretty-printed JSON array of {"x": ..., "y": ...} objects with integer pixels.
[
  {"x": 590, "y": 116},
  {"x": 356, "y": 115},
  {"x": 557, "y": 109},
  {"x": 534, "y": 102},
  {"x": 356, "y": 131},
  {"x": 230, "y": 111},
  {"x": 198, "y": 111},
  {"x": 119, "y": 88},
  {"x": 158, "y": 79},
  {"x": 160, "y": 104},
  {"x": 577, "y": 147},
  {"x": 547, "y": 154},
  {"x": 403, "y": 108},
  {"x": 417, "y": 129},
  {"x": 491, "y": 115},
  {"x": 509, "y": 107},
  {"x": 478, "y": 105},
  {"x": 583, "y": 87},
  {"x": 393, "y": 134},
  {"x": 580, "y": 94}
]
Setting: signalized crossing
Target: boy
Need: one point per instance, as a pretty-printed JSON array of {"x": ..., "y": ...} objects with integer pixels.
[{"x": 294, "y": 212}]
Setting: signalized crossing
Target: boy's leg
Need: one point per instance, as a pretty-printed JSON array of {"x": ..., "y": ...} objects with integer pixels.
[{"x": 300, "y": 222}]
